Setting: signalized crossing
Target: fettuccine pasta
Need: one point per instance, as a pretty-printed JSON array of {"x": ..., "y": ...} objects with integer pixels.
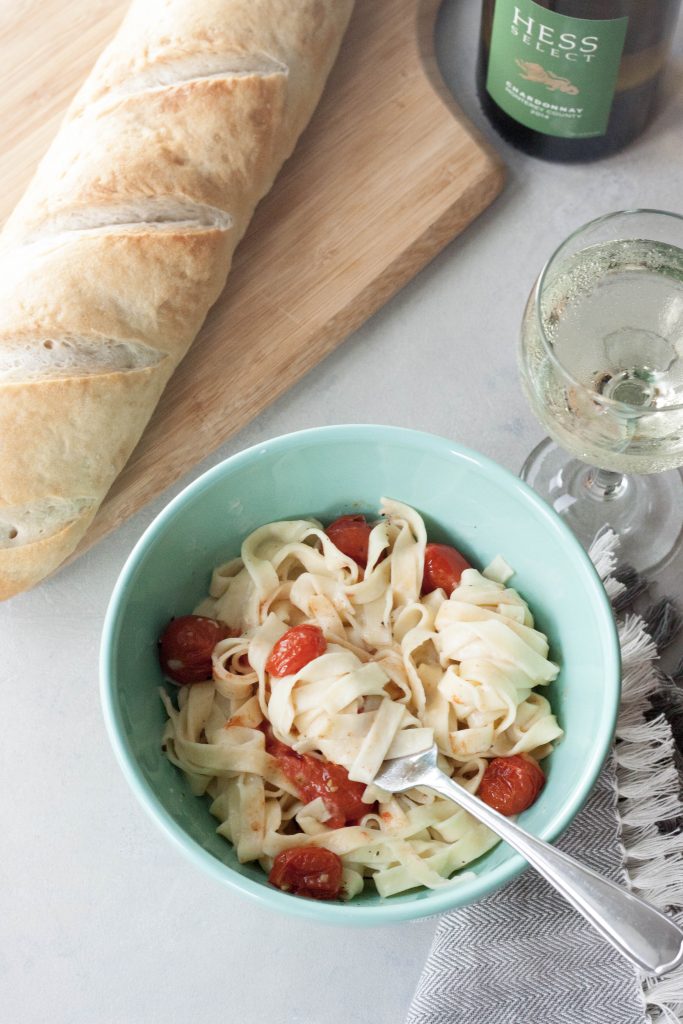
[{"x": 399, "y": 669}]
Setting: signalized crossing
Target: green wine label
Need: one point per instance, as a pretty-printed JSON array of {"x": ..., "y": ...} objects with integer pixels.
[{"x": 552, "y": 73}]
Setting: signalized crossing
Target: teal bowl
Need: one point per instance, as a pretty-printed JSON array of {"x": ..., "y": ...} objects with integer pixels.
[{"x": 464, "y": 498}]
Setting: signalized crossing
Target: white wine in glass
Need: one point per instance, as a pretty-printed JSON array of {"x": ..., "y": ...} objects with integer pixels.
[{"x": 601, "y": 360}]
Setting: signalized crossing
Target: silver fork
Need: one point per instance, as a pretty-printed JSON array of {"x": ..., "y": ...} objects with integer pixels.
[{"x": 642, "y": 934}]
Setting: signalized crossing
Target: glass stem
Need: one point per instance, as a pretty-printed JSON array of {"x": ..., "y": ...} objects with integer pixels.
[{"x": 603, "y": 485}]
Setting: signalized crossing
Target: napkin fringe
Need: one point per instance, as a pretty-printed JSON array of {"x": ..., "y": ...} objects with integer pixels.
[{"x": 647, "y": 782}]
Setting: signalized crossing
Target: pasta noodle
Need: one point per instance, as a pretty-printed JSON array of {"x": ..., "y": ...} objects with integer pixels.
[{"x": 400, "y": 670}]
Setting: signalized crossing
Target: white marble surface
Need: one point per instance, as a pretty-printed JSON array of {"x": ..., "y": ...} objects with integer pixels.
[{"x": 101, "y": 921}]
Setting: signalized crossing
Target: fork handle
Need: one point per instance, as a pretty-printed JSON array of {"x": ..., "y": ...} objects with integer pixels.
[{"x": 646, "y": 937}]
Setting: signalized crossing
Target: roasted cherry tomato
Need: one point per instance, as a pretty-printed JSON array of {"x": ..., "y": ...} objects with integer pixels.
[
  {"x": 313, "y": 777},
  {"x": 511, "y": 784},
  {"x": 308, "y": 871},
  {"x": 443, "y": 568},
  {"x": 186, "y": 645},
  {"x": 296, "y": 648},
  {"x": 274, "y": 747},
  {"x": 351, "y": 535}
]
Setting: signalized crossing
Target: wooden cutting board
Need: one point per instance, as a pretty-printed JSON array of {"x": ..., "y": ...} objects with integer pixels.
[{"x": 386, "y": 174}]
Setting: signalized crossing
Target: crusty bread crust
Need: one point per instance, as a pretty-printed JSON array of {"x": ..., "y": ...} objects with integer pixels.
[{"x": 124, "y": 238}]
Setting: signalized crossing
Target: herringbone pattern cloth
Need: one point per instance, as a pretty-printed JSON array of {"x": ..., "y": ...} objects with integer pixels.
[{"x": 523, "y": 956}]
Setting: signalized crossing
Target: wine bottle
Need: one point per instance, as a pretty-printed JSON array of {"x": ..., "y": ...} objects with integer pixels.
[{"x": 572, "y": 79}]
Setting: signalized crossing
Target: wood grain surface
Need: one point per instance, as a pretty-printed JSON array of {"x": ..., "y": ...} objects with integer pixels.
[{"x": 386, "y": 174}]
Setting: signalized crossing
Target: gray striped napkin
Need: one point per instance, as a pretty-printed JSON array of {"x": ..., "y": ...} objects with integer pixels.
[{"x": 522, "y": 955}]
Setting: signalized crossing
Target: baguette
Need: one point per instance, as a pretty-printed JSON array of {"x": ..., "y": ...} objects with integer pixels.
[{"x": 124, "y": 238}]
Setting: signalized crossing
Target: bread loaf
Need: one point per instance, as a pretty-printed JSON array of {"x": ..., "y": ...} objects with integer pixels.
[{"x": 123, "y": 240}]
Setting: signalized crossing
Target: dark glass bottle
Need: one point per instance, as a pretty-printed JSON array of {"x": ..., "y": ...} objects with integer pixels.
[{"x": 572, "y": 79}]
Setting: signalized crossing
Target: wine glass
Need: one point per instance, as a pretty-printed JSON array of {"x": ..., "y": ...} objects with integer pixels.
[{"x": 601, "y": 360}]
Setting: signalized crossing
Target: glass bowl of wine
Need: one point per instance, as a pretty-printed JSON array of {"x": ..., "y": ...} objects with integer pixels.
[{"x": 601, "y": 361}]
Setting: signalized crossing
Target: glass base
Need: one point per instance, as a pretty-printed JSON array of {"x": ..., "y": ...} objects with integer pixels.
[{"x": 645, "y": 511}]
